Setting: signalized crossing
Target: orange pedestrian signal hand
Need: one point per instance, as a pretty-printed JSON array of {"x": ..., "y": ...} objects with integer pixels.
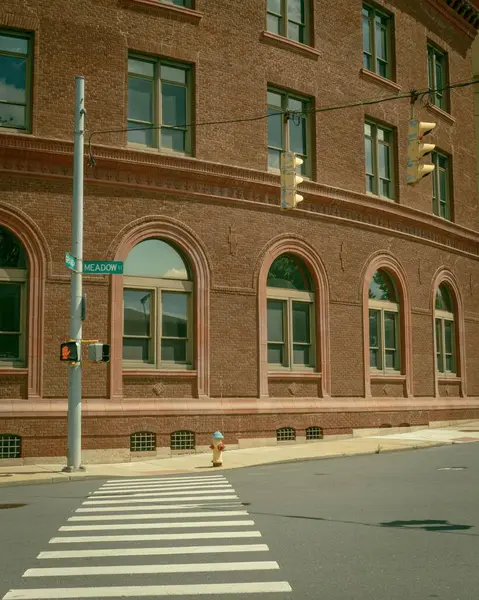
[
  {"x": 70, "y": 352},
  {"x": 65, "y": 352}
]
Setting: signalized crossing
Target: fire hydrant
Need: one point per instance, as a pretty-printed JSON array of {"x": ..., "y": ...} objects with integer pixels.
[{"x": 217, "y": 446}]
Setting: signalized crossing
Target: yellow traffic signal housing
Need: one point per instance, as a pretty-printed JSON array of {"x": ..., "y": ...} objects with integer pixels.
[
  {"x": 290, "y": 179},
  {"x": 416, "y": 149}
]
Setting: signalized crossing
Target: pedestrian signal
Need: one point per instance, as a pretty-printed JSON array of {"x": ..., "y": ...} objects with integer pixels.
[{"x": 70, "y": 352}]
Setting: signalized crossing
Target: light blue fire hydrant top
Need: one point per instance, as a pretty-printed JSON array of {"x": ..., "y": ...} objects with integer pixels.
[{"x": 217, "y": 435}]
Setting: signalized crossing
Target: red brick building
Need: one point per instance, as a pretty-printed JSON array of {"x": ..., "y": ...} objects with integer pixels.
[{"x": 358, "y": 309}]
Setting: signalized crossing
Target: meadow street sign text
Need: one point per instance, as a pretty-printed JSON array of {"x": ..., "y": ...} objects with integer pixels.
[{"x": 103, "y": 267}]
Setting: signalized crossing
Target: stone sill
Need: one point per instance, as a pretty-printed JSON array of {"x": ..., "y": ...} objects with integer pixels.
[
  {"x": 445, "y": 379},
  {"x": 282, "y": 42},
  {"x": 293, "y": 375},
  {"x": 387, "y": 377},
  {"x": 368, "y": 75},
  {"x": 170, "y": 10},
  {"x": 169, "y": 374},
  {"x": 13, "y": 371},
  {"x": 442, "y": 114}
]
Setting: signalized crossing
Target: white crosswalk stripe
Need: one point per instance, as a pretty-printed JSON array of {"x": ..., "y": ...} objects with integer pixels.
[{"x": 178, "y": 507}]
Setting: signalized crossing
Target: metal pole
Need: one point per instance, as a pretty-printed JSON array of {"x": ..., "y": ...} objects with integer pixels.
[{"x": 75, "y": 370}]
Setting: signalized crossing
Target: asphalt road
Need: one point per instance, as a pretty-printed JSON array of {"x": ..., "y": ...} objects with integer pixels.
[{"x": 395, "y": 526}]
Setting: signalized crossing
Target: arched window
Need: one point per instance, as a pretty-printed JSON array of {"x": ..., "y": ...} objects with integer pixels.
[
  {"x": 13, "y": 300},
  {"x": 445, "y": 332},
  {"x": 384, "y": 353},
  {"x": 290, "y": 314},
  {"x": 157, "y": 307}
]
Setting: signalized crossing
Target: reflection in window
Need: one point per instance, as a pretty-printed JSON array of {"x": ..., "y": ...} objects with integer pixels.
[
  {"x": 378, "y": 150},
  {"x": 157, "y": 306},
  {"x": 437, "y": 77},
  {"x": 445, "y": 332},
  {"x": 383, "y": 324},
  {"x": 377, "y": 41},
  {"x": 279, "y": 129},
  {"x": 289, "y": 18},
  {"x": 15, "y": 74},
  {"x": 290, "y": 314},
  {"x": 13, "y": 279},
  {"x": 158, "y": 104},
  {"x": 441, "y": 186}
]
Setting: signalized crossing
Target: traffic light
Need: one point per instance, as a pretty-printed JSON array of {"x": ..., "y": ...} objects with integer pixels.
[
  {"x": 70, "y": 352},
  {"x": 416, "y": 149},
  {"x": 290, "y": 180},
  {"x": 99, "y": 352}
]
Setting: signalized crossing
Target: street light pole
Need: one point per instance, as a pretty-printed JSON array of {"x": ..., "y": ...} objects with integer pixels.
[{"x": 76, "y": 291}]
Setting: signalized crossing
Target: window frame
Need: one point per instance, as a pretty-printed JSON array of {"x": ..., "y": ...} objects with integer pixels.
[
  {"x": 288, "y": 296},
  {"x": 433, "y": 53},
  {"x": 373, "y": 13},
  {"x": 375, "y": 155},
  {"x": 157, "y": 286},
  {"x": 20, "y": 276},
  {"x": 384, "y": 306},
  {"x": 29, "y": 37},
  {"x": 442, "y": 317},
  {"x": 436, "y": 187},
  {"x": 158, "y": 126},
  {"x": 285, "y": 132},
  {"x": 284, "y": 22},
  {"x": 186, "y": 3}
]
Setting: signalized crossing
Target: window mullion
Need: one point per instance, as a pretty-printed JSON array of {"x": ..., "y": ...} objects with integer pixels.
[
  {"x": 443, "y": 346},
  {"x": 157, "y": 100},
  {"x": 157, "y": 329},
  {"x": 372, "y": 23},
  {"x": 383, "y": 343},
  {"x": 289, "y": 332},
  {"x": 376, "y": 159}
]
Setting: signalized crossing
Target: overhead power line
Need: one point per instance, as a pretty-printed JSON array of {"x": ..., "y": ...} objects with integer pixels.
[{"x": 412, "y": 95}]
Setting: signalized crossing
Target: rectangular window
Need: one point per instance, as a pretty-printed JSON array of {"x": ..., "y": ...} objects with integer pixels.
[
  {"x": 379, "y": 161},
  {"x": 441, "y": 186},
  {"x": 289, "y": 18},
  {"x": 290, "y": 333},
  {"x": 445, "y": 345},
  {"x": 293, "y": 133},
  {"x": 159, "y": 104},
  {"x": 437, "y": 77},
  {"x": 383, "y": 339},
  {"x": 156, "y": 324},
  {"x": 11, "y": 322},
  {"x": 15, "y": 80},
  {"x": 377, "y": 41}
]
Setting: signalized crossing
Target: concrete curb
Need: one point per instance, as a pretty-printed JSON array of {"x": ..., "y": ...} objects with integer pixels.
[{"x": 72, "y": 478}]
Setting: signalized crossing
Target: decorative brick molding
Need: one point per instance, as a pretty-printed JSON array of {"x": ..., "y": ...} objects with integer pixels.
[
  {"x": 29, "y": 235},
  {"x": 154, "y": 226},
  {"x": 299, "y": 247},
  {"x": 382, "y": 259},
  {"x": 443, "y": 275}
]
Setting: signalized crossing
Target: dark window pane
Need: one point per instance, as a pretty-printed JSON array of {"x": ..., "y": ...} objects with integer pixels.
[
  {"x": 11, "y": 43},
  {"x": 384, "y": 161},
  {"x": 449, "y": 336},
  {"x": 140, "y": 99},
  {"x": 297, "y": 135},
  {"x": 275, "y": 128},
  {"x": 390, "y": 330},
  {"x": 450, "y": 363},
  {"x": 438, "y": 335},
  {"x": 136, "y": 349},
  {"x": 173, "y": 351},
  {"x": 173, "y": 105},
  {"x": 173, "y": 139},
  {"x": 373, "y": 359},
  {"x": 368, "y": 150},
  {"x": 171, "y": 73},
  {"x": 374, "y": 331},
  {"x": 274, "y": 6},
  {"x": 273, "y": 24},
  {"x": 12, "y": 254},
  {"x": 381, "y": 287},
  {"x": 296, "y": 32},
  {"x": 381, "y": 40},
  {"x": 9, "y": 347},
  {"x": 367, "y": 60},
  {"x": 390, "y": 359},
  {"x": 156, "y": 258},
  {"x": 10, "y": 306},
  {"x": 140, "y": 134},
  {"x": 296, "y": 10},
  {"x": 301, "y": 322},
  {"x": 136, "y": 312},
  {"x": 13, "y": 78},
  {"x": 301, "y": 355},
  {"x": 382, "y": 68},
  {"x": 141, "y": 67},
  {"x": 275, "y": 354},
  {"x": 288, "y": 272},
  {"x": 366, "y": 34},
  {"x": 276, "y": 320},
  {"x": 443, "y": 299},
  {"x": 174, "y": 316},
  {"x": 274, "y": 159}
]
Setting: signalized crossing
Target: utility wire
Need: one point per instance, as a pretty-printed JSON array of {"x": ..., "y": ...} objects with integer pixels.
[{"x": 413, "y": 95}]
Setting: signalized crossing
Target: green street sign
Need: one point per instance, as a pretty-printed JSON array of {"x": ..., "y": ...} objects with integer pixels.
[
  {"x": 70, "y": 261},
  {"x": 103, "y": 267}
]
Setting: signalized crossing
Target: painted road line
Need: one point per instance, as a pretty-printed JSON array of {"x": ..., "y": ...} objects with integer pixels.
[
  {"x": 193, "y": 489},
  {"x": 199, "y": 492},
  {"x": 170, "y": 499},
  {"x": 137, "y": 591},
  {"x": 175, "y": 515},
  {"x": 107, "y": 552},
  {"x": 174, "y": 525},
  {"x": 139, "y": 479},
  {"x": 155, "y": 537},
  {"x": 143, "y": 569},
  {"x": 162, "y": 484},
  {"x": 233, "y": 504}
]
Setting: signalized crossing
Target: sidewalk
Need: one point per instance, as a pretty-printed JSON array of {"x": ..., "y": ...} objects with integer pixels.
[{"x": 363, "y": 442}]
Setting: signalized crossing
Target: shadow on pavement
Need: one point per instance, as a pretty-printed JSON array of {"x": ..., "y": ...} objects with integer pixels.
[{"x": 427, "y": 525}]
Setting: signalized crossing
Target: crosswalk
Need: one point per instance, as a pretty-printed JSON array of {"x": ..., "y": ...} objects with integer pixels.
[{"x": 175, "y": 536}]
